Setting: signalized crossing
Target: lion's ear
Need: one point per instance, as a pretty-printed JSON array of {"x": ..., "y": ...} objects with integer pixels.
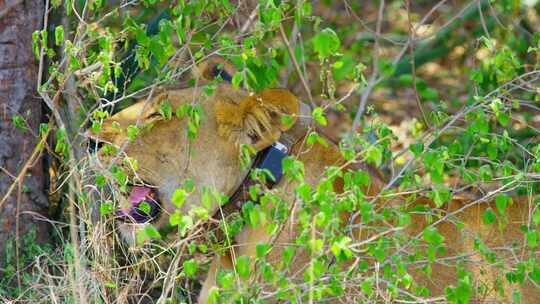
[{"x": 258, "y": 119}]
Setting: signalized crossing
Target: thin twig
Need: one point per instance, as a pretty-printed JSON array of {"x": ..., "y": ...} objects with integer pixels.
[
  {"x": 374, "y": 73},
  {"x": 250, "y": 20},
  {"x": 451, "y": 121},
  {"x": 482, "y": 20},
  {"x": 373, "y": 83},
  {"x": 294, "y": 36},
  {"x": 17, "y": 228},
  {"x": 295, "y": 63},
  {"x": 35, "y": 154},
  {"x": 412, "y": 32}
]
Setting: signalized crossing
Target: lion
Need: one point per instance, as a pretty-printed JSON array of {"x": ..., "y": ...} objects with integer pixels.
[{"x": 232, "y": 119}]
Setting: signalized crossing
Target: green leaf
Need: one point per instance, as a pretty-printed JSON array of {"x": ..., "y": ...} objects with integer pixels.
[
  {"x": 320, "y": 219},
  {"x": 225, "y": 279},
  {"x": 535, "y": 275},
  {"x": 326, "y": 43},
  {"x": 132, "y": 132},
  {"x": 237, "y": 80},
  {"x": 367, "y": 288},
  {"x": 189, "y": 185},
  {"x": 242, "y": 266},
  {"x": 316, "y": 245},
  {"x": 19, "y": 122},
  {"x": 287, "y": 121},
  {"x": 374, "y": 155},
  {"x": 200, "y": 212},
  {"x": 96, "y": 127},
  {"x": 158, "y": 50},
  {"x": 182, "y": 111},
  {"x": 206, "y": 199},
  {"x": 292, "y": 168},
  {"x": 312, "y": 138},
  {"x": 417, "y": 149},
  {"x": 429, "y": 94},
  {"x": 440, "y": 196},
  {"x": 43, "y": 129},
  {"x": 190, "y": 267},
  {"x": 489, "y": 216},
  {"x": 183, "y": 222},
  {"x": 152, "y": 232},
  {"x": 485, "y": 173},
  {"x": 405, "y": 80},
  {"x": 304, "y": 191},
  {"x": 288, "y": 254},
  {"x": 337, "y": 65},
  {"x": 106, "y": 208},
  {"x": 213, "y": 295},
  {"x": 145, "y": 207},
  {"x": 254, "y": 216},
  {"x": 100, "y": 181},
  {"x": 165, "y": 109},
  {"x": 532, "y": 238},
  {"x": 179, "y": 197},
  {"x": 503, "y": 118},
  {"x": 403, "y": 219},
  {"x": 143, "y": 57},
  {"x": 175, "y": 218},
  {"x": 35, "y": 43},
  {"x": 58, "y": 35},
  {"x": 362, "y": 178},
  {"x": 341, "y": 250},
  {"x": 262, "y": 250},
  {"x": 119, "y": 175},
  {"x": 432, "y": 236},
  {"x": 318, "y": 116},
  {"x": 536, "y": 216},
  {"x": 501, "y": 202}
]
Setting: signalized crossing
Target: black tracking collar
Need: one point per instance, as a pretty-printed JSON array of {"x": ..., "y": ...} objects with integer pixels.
[
  {"x": 270, "y": 161},
  {"x": 216, "y": 71}
]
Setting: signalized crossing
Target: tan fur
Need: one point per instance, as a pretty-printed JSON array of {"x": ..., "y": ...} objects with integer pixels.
[
  {"x": 256, "y": 115},
  {"x": 166, "y": 159}
]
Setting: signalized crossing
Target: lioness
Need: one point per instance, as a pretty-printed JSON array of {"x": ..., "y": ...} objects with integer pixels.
[{"x": 232, "y": 118}]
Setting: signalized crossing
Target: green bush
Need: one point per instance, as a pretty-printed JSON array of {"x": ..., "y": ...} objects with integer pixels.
[{"x": 449, "y": 111}]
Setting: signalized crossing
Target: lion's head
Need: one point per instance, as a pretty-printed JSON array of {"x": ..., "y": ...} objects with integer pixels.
[{"x": 169, "y": 157}]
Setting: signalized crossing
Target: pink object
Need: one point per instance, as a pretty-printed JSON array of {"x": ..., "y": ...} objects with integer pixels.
[{"x": 138, "y": 194}]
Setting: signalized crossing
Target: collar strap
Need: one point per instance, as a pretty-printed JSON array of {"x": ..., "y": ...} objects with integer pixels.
[{"x": 270, "y": 160}]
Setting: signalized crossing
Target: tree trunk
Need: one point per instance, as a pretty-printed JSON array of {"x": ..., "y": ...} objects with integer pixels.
[{"x": 18, "y": 76}]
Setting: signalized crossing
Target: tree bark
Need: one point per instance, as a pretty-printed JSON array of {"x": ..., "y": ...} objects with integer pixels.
[{"x": 18, "y": 96}]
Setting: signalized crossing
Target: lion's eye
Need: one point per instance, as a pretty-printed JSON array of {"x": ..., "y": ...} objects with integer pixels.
[{"x": 154, "y": 115}]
